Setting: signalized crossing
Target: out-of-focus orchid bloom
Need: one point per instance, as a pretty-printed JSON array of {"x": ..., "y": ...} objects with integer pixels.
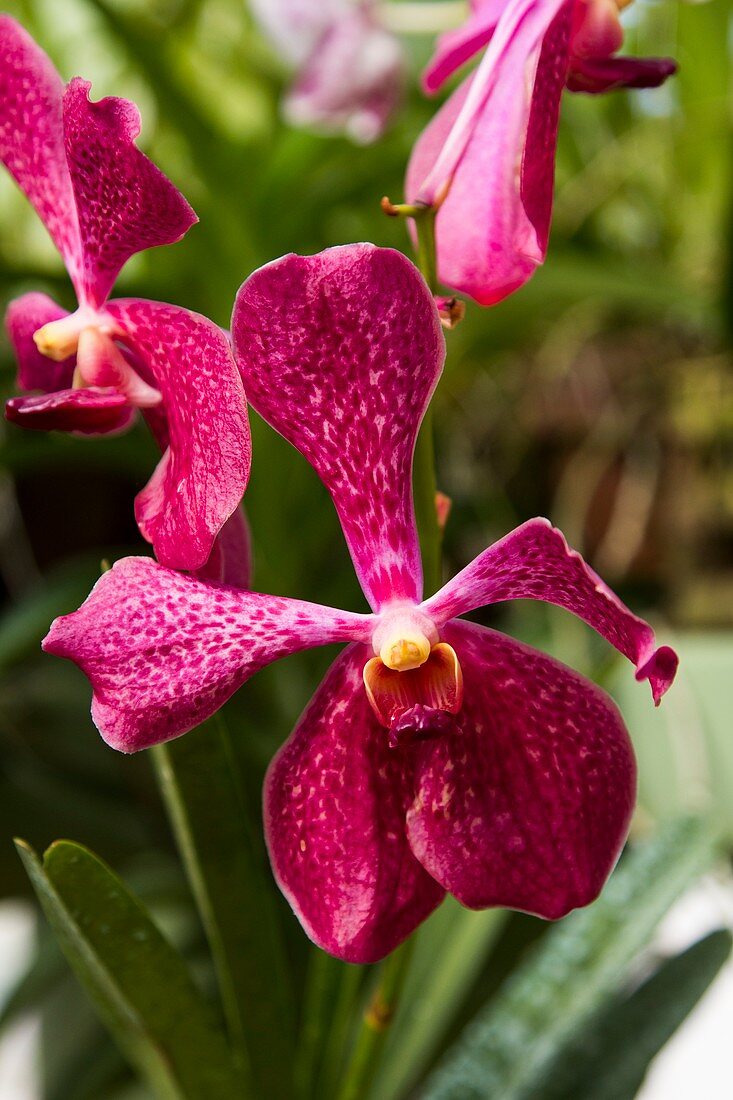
[
  {"x": 102, "y": 201},
  {"x": 436, "y": 755},
  {"x": 350, "y": 69},
  {"x": 487, "y": 159}
]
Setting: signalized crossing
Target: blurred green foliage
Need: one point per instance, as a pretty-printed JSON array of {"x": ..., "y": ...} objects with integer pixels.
[{"x": 599, "y": 395}]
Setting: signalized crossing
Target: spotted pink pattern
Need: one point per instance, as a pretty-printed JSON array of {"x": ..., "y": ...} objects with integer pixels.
[
  {"x": 24, "y": 316},
  {"x": 164, "y": 650},
  {"x": 340, "y": 353},
  {"x": 335, "y": 802},
  {"x": 32, "y": 138},
  {"x": 521, "y": 797},
  {"x": 534, "y": 562},
  {"x": 526, "y": 804},
  {"x": 201, "y": 478},
  {"x": 102, "y": 201},
  {"x": 124, "y": 203},
  {"x": 85, "y": 412},
  {"x": 99, "y": 197}
]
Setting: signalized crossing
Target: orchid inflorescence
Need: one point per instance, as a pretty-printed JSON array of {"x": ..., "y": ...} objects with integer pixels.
[{"x": 436, "y": 755}]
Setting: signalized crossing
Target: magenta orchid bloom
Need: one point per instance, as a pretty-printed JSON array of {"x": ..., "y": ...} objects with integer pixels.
[
  {"x": 350, "y": 68},
  {"x": 102, "y": 201},
  {"x": 487, "y": 159},
  {"x": 436, "y": 754}
]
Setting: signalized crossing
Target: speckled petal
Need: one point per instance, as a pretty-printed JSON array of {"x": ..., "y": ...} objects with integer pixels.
[
  {"x": 32, "y": 137},
  {"x": 83, "y": 411},
  {"x": 527, "y": 804},
  {"x": 203, "y": 474},
  {"x": 125, "y": 204},
  {"x": 492, "y": 228},
  {"x": 164, "y": 651},
  {"x": 340, "y": 352},
  {"x": 534, "y": 562},
  {"x": 456, "y": 47},
  {"x": 230, "y": 560},
  {"x": 335, "y": 800},
  {"x": 24, "y": 316},
  {"x": 604, "y": 74}
]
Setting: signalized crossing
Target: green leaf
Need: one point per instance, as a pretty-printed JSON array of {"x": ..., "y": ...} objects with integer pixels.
[
  {"x": 610, "y": 1060},
  {"x": 507, "y": 1050},
  {"x": 140, "y": 986},
  {"x": 228, "y": 873},
  {"x": 450, "y": 950}
]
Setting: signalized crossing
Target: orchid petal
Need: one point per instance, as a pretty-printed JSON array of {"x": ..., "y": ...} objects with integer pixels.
[
  {"x": 353, "y": 80},
  {"x": 124, "y": 203},
  {"x": 164, "y": 651},
  {"x": 230, "y": 560},
  {"x": 203, "y": 474},
  {"x": 604, "y": 74},
  {"x": 527, "y": 804},
  {"x": 24, "y": 316},
  {"x": 101, "y": 364},
  {"x": 32, "y": 138},
  {"x": 456, "y": 47},
  {"x": 296, "y": 26},
  {"x": 493, "y": 226},
  {"x": 84, "y": 411},
  {"x": 340, "y": 353},
  {"x": 534, "y": 562},
  {"x": 335, "y": 801}
]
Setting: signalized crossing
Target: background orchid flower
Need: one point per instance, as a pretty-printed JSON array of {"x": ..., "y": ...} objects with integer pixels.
[
  {"x": 102, "y": 201},
  {"x": 493, "y": 223},
  {"x": 436, "y": 755},
  {"x": 350, "y": 69}
]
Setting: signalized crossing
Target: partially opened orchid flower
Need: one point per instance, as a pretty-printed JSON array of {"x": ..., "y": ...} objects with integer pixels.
[
  {"x": 102, "y": 201},
  {"x": 350, "y": 69},
  {"x": 436, "y": 755},
  {"x": 487, "y": 159}
]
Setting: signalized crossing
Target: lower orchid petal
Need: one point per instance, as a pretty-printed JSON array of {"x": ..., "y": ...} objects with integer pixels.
[
  {"x": 335, "y": 801},
  {"x": 604, "y": 74},
  {"x": 526, "y": 804},
  {"x": 24, "y": 317},
  {"x": 534, "y": 562},
  {"x": 84, "y": 411},
  {"x": 202, "y": 476},
  {"x": 340, "y": 353},
  {"x": 164, "y": 651}
]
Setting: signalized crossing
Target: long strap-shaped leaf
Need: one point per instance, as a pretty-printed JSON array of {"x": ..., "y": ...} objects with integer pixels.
[
  {"x": 235, "y": 896},
  {"x": 609, "y": 1060},
  {"x": 508, "y": 1049},
  {"x": 139, "y": 984}
]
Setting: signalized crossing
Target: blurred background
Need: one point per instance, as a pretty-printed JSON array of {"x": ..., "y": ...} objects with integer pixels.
[{"x": 600, "y": 395}]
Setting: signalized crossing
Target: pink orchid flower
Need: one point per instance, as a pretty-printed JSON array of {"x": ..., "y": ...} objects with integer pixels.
[
  {"x": 350, "y": 68},
  {"x": 487, "y": 159},
  {"x": 102, "y": 201},
  {"x": 436, "y": 754}
]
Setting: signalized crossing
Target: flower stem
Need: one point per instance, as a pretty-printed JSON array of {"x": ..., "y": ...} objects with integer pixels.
[{"x": 376, "y": 1021}]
